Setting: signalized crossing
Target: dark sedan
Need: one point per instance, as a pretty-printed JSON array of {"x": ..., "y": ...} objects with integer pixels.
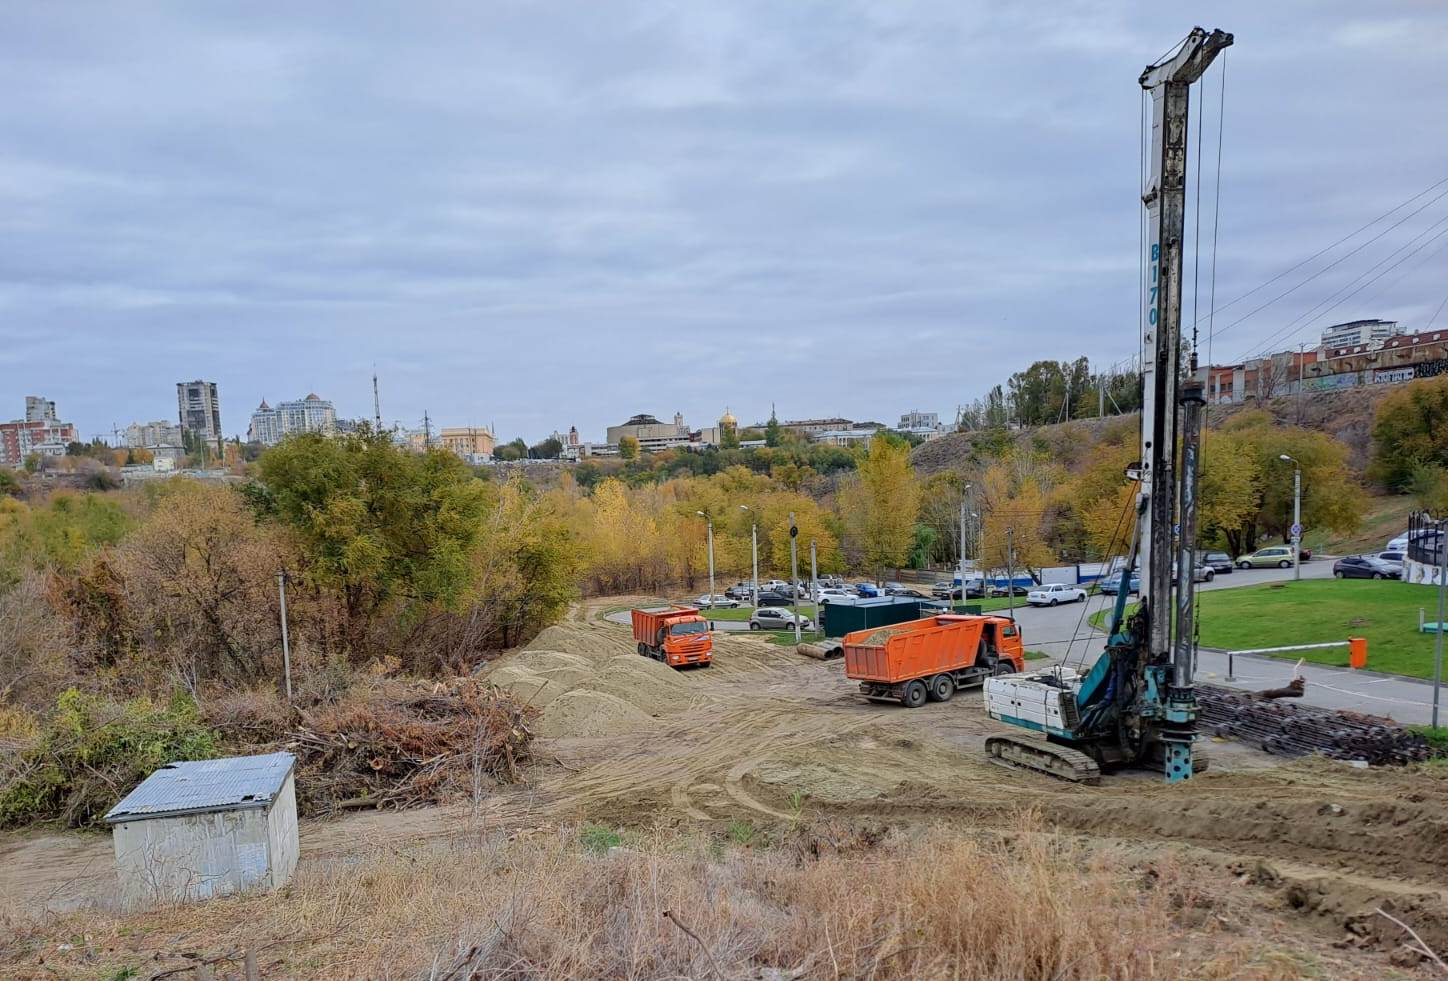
[
  {"x": 1218, "y": 562},
  {"x": 1365, "y": 567}
]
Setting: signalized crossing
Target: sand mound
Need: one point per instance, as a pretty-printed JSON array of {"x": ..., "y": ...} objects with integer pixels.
[
  {"x": 584, "y": 712},
  {"x": 589, "y": 681}
]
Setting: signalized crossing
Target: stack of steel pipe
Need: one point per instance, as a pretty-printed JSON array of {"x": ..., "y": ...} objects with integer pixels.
[{"x": 1293, "y": 729}]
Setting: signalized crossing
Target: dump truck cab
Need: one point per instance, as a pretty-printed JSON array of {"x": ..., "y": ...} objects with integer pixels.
[
  {"x": 930, "y": 659},
  {"x": 676, "y": 635}
]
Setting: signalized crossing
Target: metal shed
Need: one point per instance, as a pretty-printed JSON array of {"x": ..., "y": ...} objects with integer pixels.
[{"x": 204, "y": 828}]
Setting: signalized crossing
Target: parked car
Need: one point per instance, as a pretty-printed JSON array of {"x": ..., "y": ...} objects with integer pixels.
[
  {"x": 1365, "y": 567},
  {"x": 1200, "y": 573},
  {"x": 1111, "y": 585},
  {"x": 905, "y": 591},
  {"x": 1273, "y": 556},
  {"x": 1054, "y": 594},
  {"x": 768, "y": 597},
  {"x": 834, "y": 596},
  {"x": 776, "y": 619},
  {"x": 942, "y": 590},
  {"x": 1218, "y": 562},
  {"x": 1395, "y": 560},
  {"x": 867, "y": 589},
  {"x": 1011, "y": 589},
  {"x": 740, "y": 591},
  {"x": 716, "y": 602}
]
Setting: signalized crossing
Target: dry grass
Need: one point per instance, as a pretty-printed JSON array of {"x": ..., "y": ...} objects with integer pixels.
[{"x": 546, "y": 906}]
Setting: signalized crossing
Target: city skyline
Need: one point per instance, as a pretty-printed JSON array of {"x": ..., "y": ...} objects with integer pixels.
[{"x": 528, "y": 221}]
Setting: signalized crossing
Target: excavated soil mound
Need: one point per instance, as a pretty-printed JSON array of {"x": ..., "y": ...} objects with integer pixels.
[{"x": 588, "y": 681}]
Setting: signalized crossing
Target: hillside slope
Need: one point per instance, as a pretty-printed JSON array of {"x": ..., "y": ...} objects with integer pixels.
[{"x": 1347, "y": 416}]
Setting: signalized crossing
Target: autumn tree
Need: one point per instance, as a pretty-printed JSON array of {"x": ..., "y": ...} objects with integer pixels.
[
  {"x": 628, "y": 447},
  {"x": 881, "y": 506},
  {"x": 1410, "y": 428}
]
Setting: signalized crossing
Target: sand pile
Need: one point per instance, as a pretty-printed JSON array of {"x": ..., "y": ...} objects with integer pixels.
[{"x": 588, "y": 681}]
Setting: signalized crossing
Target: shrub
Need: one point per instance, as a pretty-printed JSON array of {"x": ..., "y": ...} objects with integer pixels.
[{"x": 93, "y": 751}]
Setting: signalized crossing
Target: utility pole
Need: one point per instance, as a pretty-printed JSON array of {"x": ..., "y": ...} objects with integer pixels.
[
  {"x": 1101, "y": 397},
  {"x": 710, "y": 522},
  {"x": 1442, "y": 614},
  {"x": 1300, "y": 348},
  {"x": 286, "y": 643},
  {"x": 1010, "y": 572},
  {"x": 1296, "y": 515},
  {"x": 376, "y": 402},
  {"x": 814, "y": 581},
  {"x": 754, "y": 552},
  {"x": 794, "y": 571}
]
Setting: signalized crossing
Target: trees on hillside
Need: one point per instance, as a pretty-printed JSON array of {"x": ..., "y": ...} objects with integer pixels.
[
  {"x": 880, "y": 507},
  {"x": 1410, "y": 428}
]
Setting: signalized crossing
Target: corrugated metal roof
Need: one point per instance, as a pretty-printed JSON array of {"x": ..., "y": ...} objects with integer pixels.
[{"x": 233, "y": 783}]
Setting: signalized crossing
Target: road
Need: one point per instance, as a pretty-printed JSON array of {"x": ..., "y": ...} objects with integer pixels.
[{"x": 1065, "y": 633}]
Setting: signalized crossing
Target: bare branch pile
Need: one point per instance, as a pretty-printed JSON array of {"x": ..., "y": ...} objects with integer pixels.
[
  {"x": 1294, "y": 729},
  {"x": 393, "y": 744}
]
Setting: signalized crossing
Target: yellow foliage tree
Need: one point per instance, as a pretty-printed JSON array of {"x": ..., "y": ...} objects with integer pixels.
[{"x": 880, "y": 506}]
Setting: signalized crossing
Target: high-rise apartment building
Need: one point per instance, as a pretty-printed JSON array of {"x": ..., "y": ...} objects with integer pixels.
[
  {"x": 312, "y": 414},
  {"x": 1355, "y": 332},
  {"x": 39, "y": 433},
  {"x": 150, "y": 435},
  {"x": 199, "y": 409}
]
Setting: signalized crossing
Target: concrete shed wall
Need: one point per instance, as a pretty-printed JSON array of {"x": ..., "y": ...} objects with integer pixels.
[{"x": 283, "y": 844}]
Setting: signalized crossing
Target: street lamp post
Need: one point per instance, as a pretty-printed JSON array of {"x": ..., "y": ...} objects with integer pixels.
[
  {"x": 1296, "y": 515},
  {"x": 710, "y": 522},
  {"x": 754, "y": 552}
]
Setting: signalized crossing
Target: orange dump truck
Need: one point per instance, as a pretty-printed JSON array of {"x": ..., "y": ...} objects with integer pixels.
[
  {"x": 917, "y": 660},
  {"x": 676, "y": 635}
]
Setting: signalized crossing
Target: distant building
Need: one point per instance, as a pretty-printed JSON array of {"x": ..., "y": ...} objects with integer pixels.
[
  {"x": 199, "y": 410},
  {"x": 312, "y": 414},
  {"x": 39, "y": 409},
  {"x": 472, "y": 443},
  {"x": 813, "y": 427},
  {"x": 1354, "y": 332},
  {"x": 150, "y": 435},
  {"x": 651, "y": 434},
  {"x": 844, "y": 437},
  {"x": 39, "y": 433},
  {"x": 915, "y": 419},
  {"x": 728, "y": 427}
]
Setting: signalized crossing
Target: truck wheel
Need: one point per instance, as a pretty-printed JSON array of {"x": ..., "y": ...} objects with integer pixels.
[
  {"x": 1003, "y": 666},
  {"x": 914, "y": 695},
  {"x": 942, "y": 686},
  {"x": 643, "y": 650}
]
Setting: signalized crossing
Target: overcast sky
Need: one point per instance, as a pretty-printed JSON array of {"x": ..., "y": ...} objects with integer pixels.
[{"x": 538, "y": 215}]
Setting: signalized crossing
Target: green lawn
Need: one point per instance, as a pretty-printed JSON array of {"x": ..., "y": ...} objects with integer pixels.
[{"x": 1321, "y": 610}]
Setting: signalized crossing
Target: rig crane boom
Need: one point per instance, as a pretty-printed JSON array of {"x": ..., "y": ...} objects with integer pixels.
[{"x": 1136, "y": 705}]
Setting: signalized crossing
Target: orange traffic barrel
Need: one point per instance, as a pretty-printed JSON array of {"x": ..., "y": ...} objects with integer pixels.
[{"x": 1357, "y": 652}]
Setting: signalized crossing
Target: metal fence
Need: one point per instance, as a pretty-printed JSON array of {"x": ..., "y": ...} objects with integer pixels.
[{"x": 1425, "y": 538}]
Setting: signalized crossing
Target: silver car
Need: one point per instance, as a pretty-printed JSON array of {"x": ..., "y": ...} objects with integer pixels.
[{"x": 777, "y": 618}]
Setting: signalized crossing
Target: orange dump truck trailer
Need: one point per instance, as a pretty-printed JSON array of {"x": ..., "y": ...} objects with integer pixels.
[
  {"x": 676, "y": 635},
  {"x": 929, "y": 659}
]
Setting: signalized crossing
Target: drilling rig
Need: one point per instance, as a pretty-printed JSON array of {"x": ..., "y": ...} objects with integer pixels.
[{"x": 1136, "y": 705}]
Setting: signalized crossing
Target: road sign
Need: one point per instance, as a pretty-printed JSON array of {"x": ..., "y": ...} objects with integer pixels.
[{"x": 1296, "y": 531}]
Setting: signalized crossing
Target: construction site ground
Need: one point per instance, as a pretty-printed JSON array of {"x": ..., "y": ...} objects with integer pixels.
[{"x": 767, "y": 737}]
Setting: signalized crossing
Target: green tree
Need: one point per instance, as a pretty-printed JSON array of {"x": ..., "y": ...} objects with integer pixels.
[
  {"x": 773, "y": 432},
  {"x": 547, "y": 449},
  {"x": 628, "y": 448},
  {"x": 376, "y": 522},
  {"x": 1411, "y": 427}
]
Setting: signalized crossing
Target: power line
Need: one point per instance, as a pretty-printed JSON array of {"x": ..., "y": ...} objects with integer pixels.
[
  {"x": 1336, "y": 262},
  {"x": 1280, "y": 334},
  {"x": 1351, "y": 235},
  {"x": 1338, "y": 294}
]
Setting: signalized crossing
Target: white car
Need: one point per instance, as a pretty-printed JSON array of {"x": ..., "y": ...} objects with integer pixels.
[
  {"x": 777, "y": 618},
  {"x": 1054, "y": 594},
  {"x": 720, "y": 601},
  {"x": 833, "y": 596}
]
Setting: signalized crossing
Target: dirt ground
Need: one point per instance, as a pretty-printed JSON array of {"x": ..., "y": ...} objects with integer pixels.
[{"x": 767, "y": 737}]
